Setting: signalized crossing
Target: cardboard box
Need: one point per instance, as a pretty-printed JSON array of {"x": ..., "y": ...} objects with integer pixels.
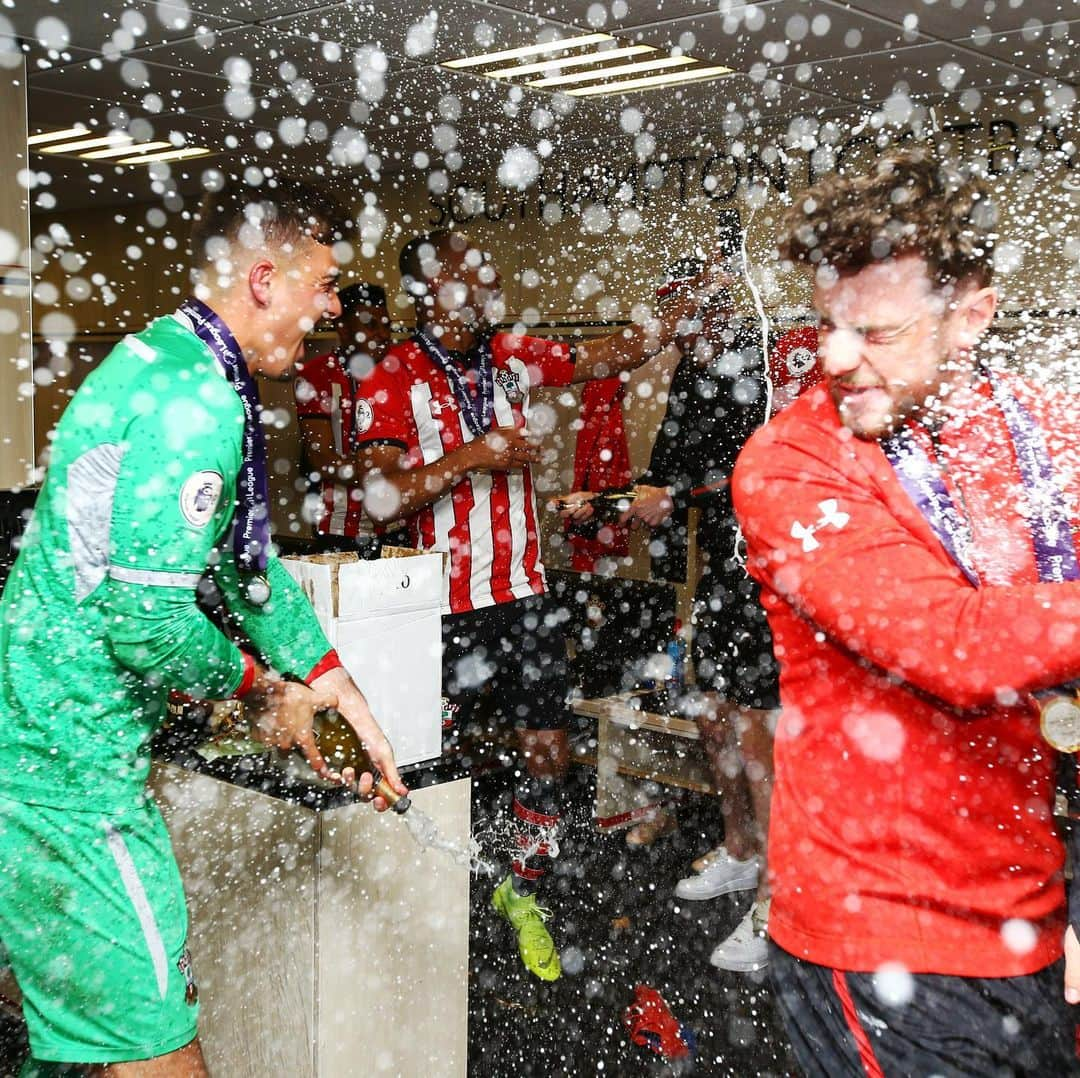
[{"x": 383, "y": 617}]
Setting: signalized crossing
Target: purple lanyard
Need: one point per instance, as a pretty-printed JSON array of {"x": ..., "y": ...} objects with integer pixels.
[
  {"x": 478, "y": 408},
  {"x": 1045, "y": 509},
  {"x": 251, "y": 521}
]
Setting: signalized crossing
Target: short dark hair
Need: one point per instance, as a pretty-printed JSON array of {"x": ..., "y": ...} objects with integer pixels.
[
  {"x": 284, "y": 210},
  {"x": 360, "y": 295},
  {"x": 683, "y": 268},
  {"x": 910, "y": 202},
  {"x": 411, "y": 259}
]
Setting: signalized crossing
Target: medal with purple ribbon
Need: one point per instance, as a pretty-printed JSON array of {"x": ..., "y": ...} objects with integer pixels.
[
  {"x": 1046, "y": 514},
  {"x": 251, "y": 520},
  {"x": 477, "y": 408},
  {"x": 1059, "y": 721}
]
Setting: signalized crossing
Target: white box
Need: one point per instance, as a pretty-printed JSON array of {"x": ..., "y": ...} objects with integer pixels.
[{"x": 383, "y": 617}]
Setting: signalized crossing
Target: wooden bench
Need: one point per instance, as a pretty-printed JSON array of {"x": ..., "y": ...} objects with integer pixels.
[{"x": 638, "y": 753}]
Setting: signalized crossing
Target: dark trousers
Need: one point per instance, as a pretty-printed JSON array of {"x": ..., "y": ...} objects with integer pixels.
[
  {"x": 513, "y": 655},
  {"x": 893, "y": 1024}
]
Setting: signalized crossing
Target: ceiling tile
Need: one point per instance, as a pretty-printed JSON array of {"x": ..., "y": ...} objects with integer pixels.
[
  {"x": 109, "y": 25},
  {"x": 926, "y": 70},
  {"x": 955, "y": 19},
  {"x": 460, "y": 28},
  {"x": 590, "y": 15},
  {"x": 264, "y": 53},
  {"x": 251, "y": 11},
  {"x": 778, "y": 34},
  {"x": 707, "y": 103},
  {"x": 121, "y": 84},
  {"x": 1049, "y": 49}
]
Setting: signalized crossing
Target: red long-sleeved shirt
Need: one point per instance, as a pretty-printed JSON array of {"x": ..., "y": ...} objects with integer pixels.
[{"x": 911, "y": 815}]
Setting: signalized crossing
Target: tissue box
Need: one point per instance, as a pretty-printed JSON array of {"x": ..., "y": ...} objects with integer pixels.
[{"x": 383, "y": 617}]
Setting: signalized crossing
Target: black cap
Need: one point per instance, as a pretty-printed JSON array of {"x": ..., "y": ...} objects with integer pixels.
[
  {"x": 359, "y": 295},
  {"x": 683, "y": 269}
]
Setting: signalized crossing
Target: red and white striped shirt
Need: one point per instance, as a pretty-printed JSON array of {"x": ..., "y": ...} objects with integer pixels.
[
  {"x": 325, "y": 390},
  {"x": 487, "y": 521}
]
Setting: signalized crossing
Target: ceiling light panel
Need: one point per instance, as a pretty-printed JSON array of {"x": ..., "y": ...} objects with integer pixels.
[
  {"x": 166, "y": 155},
  {"x": 115, "y": 147},
  {"x": 55, "y": 136},
  {"x": 650, "y": 82},
  {"x": 610, "y": 72},
  {"x": 601, "y": 56},
  {"x": 120, "y": 151},
  {"x": 114, "y": 138},
  {"x": 587, "y": 66},
  {"x": 526, "y": 51}
]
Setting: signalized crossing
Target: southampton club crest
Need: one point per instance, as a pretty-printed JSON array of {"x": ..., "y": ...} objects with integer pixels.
[
  {"x": 508, "y": 382},
  {"x": 799, "y": 361}
]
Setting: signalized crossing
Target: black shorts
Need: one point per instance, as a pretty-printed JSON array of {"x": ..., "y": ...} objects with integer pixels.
[
  {"x": 841, "y": 1026},
  {"x": 732, "y": 645},
  {"x": 512, "y": 658}
]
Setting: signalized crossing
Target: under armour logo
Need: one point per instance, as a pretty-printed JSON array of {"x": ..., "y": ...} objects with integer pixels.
[{"x": 830, "y": 517}]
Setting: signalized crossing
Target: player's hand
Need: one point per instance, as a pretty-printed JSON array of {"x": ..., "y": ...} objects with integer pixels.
[
  {"x": 1072, "y": 966},
  {"x": 715, "y": 277},
  {"x": 505, "y": 449},
  {"x": 651, "y": 506},
  {"x": 680, "y": 308},
  {"x": 281, "y": 712},
  {"x": 352, "y": 705},
  {"x": 576, "y": 506}
]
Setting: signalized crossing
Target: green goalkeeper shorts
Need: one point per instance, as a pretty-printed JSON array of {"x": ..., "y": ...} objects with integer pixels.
[{"x": 93, "y": 920}]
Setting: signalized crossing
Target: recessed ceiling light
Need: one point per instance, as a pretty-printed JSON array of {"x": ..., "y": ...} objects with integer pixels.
[
  {"x": 528, "y": 50},
  {"x": 599, "y": 57},
  {"x": 165, "y": 155},
  {"x": 621, "y": 69},
  {"x": 53, "y": 136},
  {"x": 119, "y": 151},
  {"x": 114, "y": 138},
  {"x": 650, "y": 82}
]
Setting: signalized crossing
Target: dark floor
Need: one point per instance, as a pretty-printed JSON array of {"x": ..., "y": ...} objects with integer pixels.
[
  {"x": 617, "y": 923},
  {"x": 517, "y": 1026},
  {"x": 13, "y": 1046}
]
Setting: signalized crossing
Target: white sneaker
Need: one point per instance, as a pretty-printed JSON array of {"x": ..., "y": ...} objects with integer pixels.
[
  {"x": 707, "y": 859},
  {"x": 746, "y": 950},
  {"x": 721, "y": 876}
]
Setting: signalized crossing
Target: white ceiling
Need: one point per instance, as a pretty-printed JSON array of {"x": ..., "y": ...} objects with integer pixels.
[{"x": 790, "y": 57}]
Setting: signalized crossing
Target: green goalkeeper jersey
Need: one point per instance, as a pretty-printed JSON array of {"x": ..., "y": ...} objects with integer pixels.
[{"x": 98, "y": 619}]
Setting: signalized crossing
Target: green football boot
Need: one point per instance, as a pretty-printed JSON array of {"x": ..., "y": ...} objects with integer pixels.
[{"x": 526, "y": 918}]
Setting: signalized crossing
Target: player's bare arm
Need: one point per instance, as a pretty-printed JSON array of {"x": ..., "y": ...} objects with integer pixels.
[
  {"x": 627, "y": 348},
  {"x": 394, "y": 490},
  {"x": 317, "y": 439}
]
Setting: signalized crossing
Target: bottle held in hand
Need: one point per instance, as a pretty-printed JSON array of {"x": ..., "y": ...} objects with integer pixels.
[
  {"x": 341, "y": 748},
  {"x": 607, "y": 506}
]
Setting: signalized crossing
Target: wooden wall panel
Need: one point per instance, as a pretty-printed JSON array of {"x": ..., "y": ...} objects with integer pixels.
[{"x": 16, "y": 402}]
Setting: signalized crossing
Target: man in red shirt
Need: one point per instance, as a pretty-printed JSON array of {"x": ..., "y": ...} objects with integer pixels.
[
  {"x": 444, "y": 443},
  {"x": 326, "y": 395},
  {"x": 911, "y": 524}
]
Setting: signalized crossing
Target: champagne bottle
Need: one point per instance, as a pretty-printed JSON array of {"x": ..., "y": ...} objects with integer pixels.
[
  {"x": 607, "y": 505},
  {"x": 341, "y": 748}
]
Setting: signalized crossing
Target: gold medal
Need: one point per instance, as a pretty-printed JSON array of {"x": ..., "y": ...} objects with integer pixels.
[{"x": 1059, "y": 721}]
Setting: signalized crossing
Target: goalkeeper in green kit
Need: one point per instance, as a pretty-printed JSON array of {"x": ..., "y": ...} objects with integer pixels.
[{"x": 157, "y": 476}]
